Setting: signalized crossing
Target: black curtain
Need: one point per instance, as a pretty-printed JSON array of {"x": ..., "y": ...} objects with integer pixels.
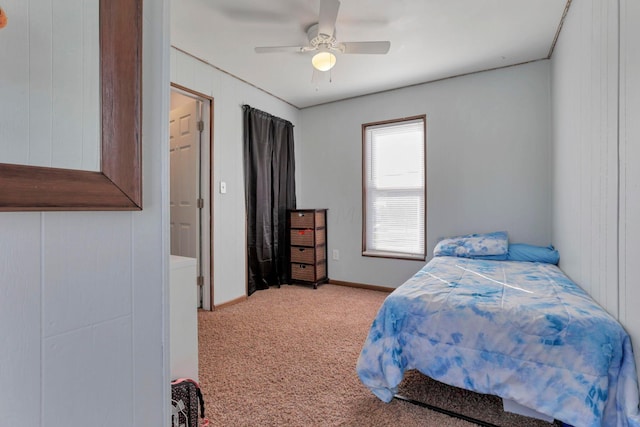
[{"x": 270, "y": 189}]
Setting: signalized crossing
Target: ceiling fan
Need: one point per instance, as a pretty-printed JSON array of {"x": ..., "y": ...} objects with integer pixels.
[{"x": 322, "y": 39}]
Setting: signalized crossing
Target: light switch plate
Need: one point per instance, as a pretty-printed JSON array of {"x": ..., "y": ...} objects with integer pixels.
[{"x": 223, "y": 187}]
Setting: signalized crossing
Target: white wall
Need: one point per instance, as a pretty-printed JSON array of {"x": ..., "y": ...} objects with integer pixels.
[
  {"x": 83, "y": 295},
  {"x": 629, "y": 233},
  {"x": 488, "y": 163},
  {"x": 50, "y": 72},
  {"x": 585, "y": 138},
  {"x": 595, "y": 103},
  {"x": 229, "y": 93}
]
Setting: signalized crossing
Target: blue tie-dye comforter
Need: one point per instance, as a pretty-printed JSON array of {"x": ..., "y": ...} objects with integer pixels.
[{"x": 518, "y": 330}]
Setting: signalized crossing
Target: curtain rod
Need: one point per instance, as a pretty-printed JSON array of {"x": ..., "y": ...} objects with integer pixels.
[{"x": 246, "y": 107}]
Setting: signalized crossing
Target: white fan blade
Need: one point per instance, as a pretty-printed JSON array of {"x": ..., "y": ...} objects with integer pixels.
[
  {"x": 328, "y": 16},
  {"x": 272, "y": 49},
  {"x": 365, "y": 47}
]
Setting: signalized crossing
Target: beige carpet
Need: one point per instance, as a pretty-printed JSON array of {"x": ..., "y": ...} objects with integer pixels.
[{"x": 286, "y": 357}]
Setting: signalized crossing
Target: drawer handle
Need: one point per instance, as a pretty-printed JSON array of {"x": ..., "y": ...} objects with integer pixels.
[
  {"x": 302, "y": 266},
  {"x": 301, "y": 249}
]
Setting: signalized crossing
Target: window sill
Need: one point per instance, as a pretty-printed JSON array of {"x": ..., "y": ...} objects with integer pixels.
[{"x": 394, "y": 255}]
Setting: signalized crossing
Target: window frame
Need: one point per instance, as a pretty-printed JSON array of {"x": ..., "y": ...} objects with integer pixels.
[{"x": 382, "y": 254}]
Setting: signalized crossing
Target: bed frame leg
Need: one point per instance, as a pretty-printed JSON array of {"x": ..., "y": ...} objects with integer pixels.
[{"x": 444, "y": 411}]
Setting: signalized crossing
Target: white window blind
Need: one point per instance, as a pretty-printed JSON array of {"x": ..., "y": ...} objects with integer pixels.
[{"x": 394, "y": 162}]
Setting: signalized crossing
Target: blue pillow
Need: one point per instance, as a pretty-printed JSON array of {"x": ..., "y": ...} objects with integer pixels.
[
  {"x": 474, "y": 245},
  {"x": 524, "y": 252}
]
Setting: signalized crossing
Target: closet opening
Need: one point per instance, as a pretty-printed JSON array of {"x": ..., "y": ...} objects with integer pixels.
[{"x": 191, "y": 174}]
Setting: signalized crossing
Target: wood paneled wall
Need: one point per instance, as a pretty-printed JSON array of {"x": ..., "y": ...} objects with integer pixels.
[
  {"x": 596, "y": 182},
  {"x": 49, "y": 84},
  {"x": 84, "y": 313},
  {"x": 629, "y": 214}
]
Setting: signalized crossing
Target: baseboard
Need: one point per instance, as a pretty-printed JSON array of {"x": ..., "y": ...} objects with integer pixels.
[
  {"x": 230, "y": 303},
  {"x": 361, "y": 286},
  {"x": 332, "y": 282}
]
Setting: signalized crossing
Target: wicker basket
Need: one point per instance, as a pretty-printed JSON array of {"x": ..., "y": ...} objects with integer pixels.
[
  {"x": 303, "y": 255},
  {"x": 303, "y": 272}
]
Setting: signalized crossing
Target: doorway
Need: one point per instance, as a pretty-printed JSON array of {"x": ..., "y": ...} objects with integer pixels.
[{"x": 191, "y": 149}]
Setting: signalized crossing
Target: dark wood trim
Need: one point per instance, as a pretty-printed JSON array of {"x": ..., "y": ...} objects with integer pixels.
[
  {"x": 559, "y": 29},
  {"x": 211, "y": 180},
  {"x": 119, "y": 184},
  {"x": 191, "y": 91},
  {"x": 363, "y": 167},
  {"x": 30, "y": 188},
  {"x": 212, "y": 190},
  {"x": 364, "y": 126},
  {"x": 390, "y": 255},
  {"x": 399, "y": 120},
  {"x": 426, "y": 186},
  {"x": 362, "y": 286},
  {"x": 246, "y": 253}
]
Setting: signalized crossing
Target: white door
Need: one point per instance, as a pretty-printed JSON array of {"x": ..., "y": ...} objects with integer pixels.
[{"x": 183, "y": 145}]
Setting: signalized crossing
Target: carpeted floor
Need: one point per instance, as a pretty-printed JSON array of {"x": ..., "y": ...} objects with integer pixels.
[{"x": 286, "y": 357}]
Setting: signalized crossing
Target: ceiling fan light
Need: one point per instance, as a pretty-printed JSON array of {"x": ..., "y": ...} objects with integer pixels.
[{"x": 323, "y": 61}]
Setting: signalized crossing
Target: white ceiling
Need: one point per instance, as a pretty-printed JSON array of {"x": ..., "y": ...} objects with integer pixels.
[{"x": 430, "y": 40}]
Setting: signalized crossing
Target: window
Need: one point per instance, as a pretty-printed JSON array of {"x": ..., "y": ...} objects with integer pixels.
[{"x": 394, "y": 199}]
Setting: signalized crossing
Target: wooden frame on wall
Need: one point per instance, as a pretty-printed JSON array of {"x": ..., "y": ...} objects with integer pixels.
[{"x": 118, "y": 186}]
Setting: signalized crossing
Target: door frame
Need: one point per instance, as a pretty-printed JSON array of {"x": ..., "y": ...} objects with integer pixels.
[{"x": 210, "y": 101}]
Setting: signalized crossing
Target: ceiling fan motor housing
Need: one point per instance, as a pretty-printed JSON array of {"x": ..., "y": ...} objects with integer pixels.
[{"x": 322, "y": 41}]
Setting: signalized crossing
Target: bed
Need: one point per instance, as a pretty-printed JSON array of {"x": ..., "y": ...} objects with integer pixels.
[{"x": 519, "y": 330}]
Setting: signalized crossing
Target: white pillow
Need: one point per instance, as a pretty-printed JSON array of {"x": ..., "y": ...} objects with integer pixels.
[{"x": 472, "y": 245}]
